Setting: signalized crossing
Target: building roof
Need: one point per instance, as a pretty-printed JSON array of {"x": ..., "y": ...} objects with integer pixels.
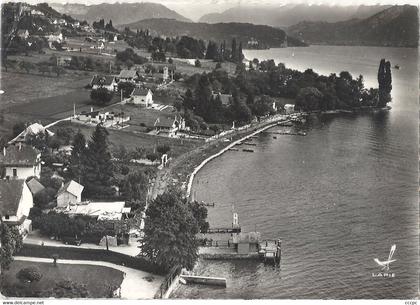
[
  {"x": 10, "y": 194},
  {"x": 71, "y": 187},
  {"x": 35, "y": 186},
  {"x": 166, "y": 122},
  {"x": 128, "y": 74},
  {"x": 19, "y": 155},
  {"x": 250, "y": 237},
  {"x": 104, "y": 80},
  {"x": 140, "y": 91},
  {"x": 224, "y": 98},
  {"x": 22, "y": 32},
  {"x": 102, "y": 210}
]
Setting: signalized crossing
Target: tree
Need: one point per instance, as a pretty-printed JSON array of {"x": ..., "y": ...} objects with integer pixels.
[
  {"x": 18, "y": 128},
  {"x": 126, "y": 87},
  {"x": 101, "y": 96},
  {"x": 163, "y": 149},
  {"x": 199, "y": 212},
  {"x": 44, "y": 68},
  {"x": 170, "y": 230},
  {"x": 29, "y": 274},
  {"x": 27, "y": 66},
  {"x": 98, "y": 171},
  {"x": 158, "y": 56},
  {"x": 134, "y": 189},
  {"x": 234, "y": 55},
  {"x": 11, "y": 242},
  {"x": 385, "y": 82},
  {"x": 197, "y": 63},
  {"x": 78, "y": 156},
  {"x": 308, "y": 99}
]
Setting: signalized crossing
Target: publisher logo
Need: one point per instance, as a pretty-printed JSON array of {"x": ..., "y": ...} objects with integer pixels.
[{"x": 384, "y": 264}]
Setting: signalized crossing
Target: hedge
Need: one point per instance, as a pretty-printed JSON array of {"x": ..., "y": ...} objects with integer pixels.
[{"x": 138, "y": 263}]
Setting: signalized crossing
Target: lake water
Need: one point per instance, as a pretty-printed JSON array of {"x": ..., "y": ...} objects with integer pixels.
[{"x": 338, "y": 198}]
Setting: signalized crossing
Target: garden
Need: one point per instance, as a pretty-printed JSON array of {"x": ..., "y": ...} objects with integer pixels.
[{"x": 34, "y": 279}]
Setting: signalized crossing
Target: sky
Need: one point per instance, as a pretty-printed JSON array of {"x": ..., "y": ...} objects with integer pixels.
[{"x": 194, "y": 9}]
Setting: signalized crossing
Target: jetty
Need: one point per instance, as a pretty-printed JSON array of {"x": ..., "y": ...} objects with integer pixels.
[
  {"x": 250, "y": 144},
  {"x": 289, "y": 133}
]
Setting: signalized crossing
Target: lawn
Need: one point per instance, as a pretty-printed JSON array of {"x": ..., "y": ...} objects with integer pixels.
[
  {"x": 132, "y": 139},
  {"x": 97, "y": 279}
]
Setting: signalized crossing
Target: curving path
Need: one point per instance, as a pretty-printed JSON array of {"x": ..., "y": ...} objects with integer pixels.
[{"x": 133, "y": 286}]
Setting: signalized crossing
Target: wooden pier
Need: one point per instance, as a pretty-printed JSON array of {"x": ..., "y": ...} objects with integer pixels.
[
  {"x": 204, "y": 280},
  {"x": 270, "y": 251},
  {"x": 224, "y": 230}
]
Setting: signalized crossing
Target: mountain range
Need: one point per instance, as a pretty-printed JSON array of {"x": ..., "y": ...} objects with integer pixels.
[
  {"x": 243, "y": 32},
  {"x": 396, "y": 26},
  {"x": 290, "y": 14},
  {"x": 119, "y": 13}
]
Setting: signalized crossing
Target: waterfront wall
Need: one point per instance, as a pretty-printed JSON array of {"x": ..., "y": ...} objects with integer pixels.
[{"x": 271, "y": 123}]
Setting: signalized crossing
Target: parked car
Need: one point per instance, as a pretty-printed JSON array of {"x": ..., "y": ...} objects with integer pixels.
[{"x": 70, "y": 240}]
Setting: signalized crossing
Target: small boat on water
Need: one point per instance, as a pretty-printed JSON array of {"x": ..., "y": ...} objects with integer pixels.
[
  {"x": 274, "y": 137},
  {"x": 247, "y": 150},
  {"x": 397, "y": 67}
]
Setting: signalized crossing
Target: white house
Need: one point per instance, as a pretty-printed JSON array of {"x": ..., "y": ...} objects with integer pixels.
[
  {"x": 289, "y": 108},
  {"x": 107, "y": 82},
  {"x": 15, "y": 203},
  {"x": 142, "y": 96},
  {"x": 69, "y": 193},
  {"x": 21, "y": 161},
  {"x": 224, "y": 98},
  {"x": 23, "y": 34}
]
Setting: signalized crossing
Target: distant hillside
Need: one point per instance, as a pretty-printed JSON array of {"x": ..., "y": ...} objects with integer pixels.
[
  {"x": 119, "y": 13},
  {"x": 218, "y": 32},
  {"x": 396, "y": 26},
  {"x": 286, "y": 15}
]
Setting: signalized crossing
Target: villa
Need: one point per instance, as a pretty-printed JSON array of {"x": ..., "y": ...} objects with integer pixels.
[{"x": 142, "y": 96}]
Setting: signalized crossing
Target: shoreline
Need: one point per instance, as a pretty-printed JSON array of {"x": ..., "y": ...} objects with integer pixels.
[{"x": 225, "y": 149}]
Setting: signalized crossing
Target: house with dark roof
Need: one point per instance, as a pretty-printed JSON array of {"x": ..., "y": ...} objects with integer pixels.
[
  {"x": 104, "y": 81},
  {"x": 131, "y": 76},
  {"x": 21, "y": 161},
  {"x": 69, "y": 193},
  {"x": 142, "y": 96},
  {"x": 168, "y": 126},
  {"x": 15, "y": 203},
  {"x": 32, "y": 130},
  {"x": 35, "y": 186}
]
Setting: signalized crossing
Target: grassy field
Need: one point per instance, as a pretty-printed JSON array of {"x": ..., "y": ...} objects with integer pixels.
[
  {"x": 96, "y": 278},
  {"x": 132, "y": 139}
]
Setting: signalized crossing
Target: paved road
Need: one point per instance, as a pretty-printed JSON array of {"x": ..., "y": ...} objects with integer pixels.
[
  {"x": 35, "y": 239},
  {"x": 134, "y": 285}
]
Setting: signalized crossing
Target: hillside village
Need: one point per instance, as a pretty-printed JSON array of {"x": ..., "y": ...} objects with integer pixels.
[{"x": 99, "y": 124}]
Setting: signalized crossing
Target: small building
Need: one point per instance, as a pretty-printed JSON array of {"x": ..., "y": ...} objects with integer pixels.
[
  {"x": 69, "y": 193},
  {"x": 168, "y": 126},
  {"x": 289, "y": 108},
  {"x": 21, "y": 161},
  {"x": 55, "y": 37},
  {"x": 224, "y": 98},
  {"x": 23, "y": 34},
  {"x": 15, "y": 203},
  {"x": 142, "y": 96},
  {"x": 35, "y": 186},
  {"x": 32, "y": 130},
  {"x": 64, "y": 61},
  {"x": 131, "y": 76},
  {"x": 247, "y": 243},
  {"x": 104, "y": 81}
]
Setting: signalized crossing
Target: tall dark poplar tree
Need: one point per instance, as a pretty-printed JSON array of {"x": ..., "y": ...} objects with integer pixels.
[
  {"x": 234, "y": 54},
  {"x": 78, "y": 157},
  {"x": 385, "y": 82},
  {"x": 240, "y": 54},
  {"x": 99, "y": 168}
]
